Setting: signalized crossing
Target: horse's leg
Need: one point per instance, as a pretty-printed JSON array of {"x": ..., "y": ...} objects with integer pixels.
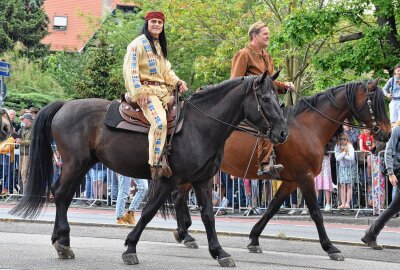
[
  {"x": 159, "y": 192},
  {"x": 308, "y": 191},
  {"x": 283, "y": 192},
  {"x": 183, "y": 218},
  {"x": 203, "y": 191},
  {"x": 63, "y": 190}
]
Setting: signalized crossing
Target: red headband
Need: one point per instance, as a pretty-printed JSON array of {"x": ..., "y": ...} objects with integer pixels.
[{"x": 155, "y": 15}]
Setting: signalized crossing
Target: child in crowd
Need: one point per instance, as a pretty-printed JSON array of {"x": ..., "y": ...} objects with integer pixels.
[
  {"x": 344, "y": 154},
  {"x": 367, "y": 144},
  {"x": 323, "y": 181}
]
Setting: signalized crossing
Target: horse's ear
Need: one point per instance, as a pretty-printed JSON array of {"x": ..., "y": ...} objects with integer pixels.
[
  {"x": 274, "y": 76},
  {"x": 264, "y": 76},
  {"x": 372, "y": 85}
]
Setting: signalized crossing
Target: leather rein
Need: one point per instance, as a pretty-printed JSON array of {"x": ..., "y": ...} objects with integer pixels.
[
  {"x": 259, "y": 109},
  {"x": 375, "y": 127}
]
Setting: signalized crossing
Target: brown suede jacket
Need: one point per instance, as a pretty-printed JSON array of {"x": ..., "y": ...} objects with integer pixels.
[{"x": 248, "y": 61}]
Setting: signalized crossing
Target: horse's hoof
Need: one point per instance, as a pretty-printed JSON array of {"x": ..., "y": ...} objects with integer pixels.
[
  {"x": 64, "y": 252},
  {"x": 191, "y": 244},
  {"x": 336, "y": 256},
  {"x": 176, "y": 236},
  {"x": 254, "y": 249},
  {"x": 130, "y": 258},
  {"x": 226, "y": 262}
]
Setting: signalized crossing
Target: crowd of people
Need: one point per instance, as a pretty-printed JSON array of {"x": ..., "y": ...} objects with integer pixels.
[{"x": 14, "y": 151}]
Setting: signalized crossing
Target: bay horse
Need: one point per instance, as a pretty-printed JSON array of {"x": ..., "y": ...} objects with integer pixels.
[
  {"x": 312, "y": 123},
  {"x": 82, "y": 139}
]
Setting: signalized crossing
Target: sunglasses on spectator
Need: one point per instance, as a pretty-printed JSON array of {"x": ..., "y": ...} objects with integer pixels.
[{"x": 343, "y": 139}]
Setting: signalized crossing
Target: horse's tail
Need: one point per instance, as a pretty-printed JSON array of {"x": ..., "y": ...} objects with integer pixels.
[
  {"x": 167, "y": 208},
  {"x": 41, "y": 166}
]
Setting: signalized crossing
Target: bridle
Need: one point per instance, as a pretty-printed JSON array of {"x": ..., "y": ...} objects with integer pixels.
[
  {"x": 375, "y": 127},
  {"x": 259, "y": 109}
]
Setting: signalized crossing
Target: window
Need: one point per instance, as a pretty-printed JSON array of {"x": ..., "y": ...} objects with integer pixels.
[{"x": 60, "y": 23}]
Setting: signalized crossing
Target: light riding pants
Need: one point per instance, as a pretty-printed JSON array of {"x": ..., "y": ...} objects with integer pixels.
[{"x": 157, "y": 116}]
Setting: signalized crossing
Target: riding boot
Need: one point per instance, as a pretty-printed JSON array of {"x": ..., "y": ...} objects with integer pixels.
[
  {"x": 156, "y": 172},
  {"x": 267, "y": 165}
]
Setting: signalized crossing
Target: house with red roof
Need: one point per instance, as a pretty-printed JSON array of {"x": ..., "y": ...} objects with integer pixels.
[{"x": 73, "y": 22}]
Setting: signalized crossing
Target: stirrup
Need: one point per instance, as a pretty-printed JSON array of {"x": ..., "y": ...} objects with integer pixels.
[{"x": 271, "y": 170}]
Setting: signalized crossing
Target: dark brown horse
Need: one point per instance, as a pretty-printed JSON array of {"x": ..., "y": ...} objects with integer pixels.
[
  {"x": 310, "y": 130},
  {"x": 82, "y": 140}
]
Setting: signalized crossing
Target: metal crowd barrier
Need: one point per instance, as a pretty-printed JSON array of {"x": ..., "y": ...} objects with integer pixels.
[
  {"x": 251, "y": 196},
  {"x": 369, "y": 190}
]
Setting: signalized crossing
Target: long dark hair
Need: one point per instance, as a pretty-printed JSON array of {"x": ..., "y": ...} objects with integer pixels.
[{"x": 161, "y": 38}]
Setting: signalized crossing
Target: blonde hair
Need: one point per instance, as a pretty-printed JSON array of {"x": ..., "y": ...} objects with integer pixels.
[
  {"x": 343, "y": 135},
  {"x": 255, "y": 28}
]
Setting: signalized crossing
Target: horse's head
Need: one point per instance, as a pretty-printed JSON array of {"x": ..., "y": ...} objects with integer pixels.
[
  {"x": 370, "y": 109},
  {"x": 5, "y": 125},
  {"x": 263, "y": 110}
]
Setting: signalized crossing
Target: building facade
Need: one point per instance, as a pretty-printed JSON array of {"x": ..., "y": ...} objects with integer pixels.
[{"x": 73, "y": 22}]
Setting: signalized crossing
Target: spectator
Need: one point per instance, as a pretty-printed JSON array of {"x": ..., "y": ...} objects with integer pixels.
[
  {"x": 57, "y": 164},
  {"x": 392, "y": 91},
  {"x": 353, "y": 133},
  {"x": 24, "y": 143},
  {"x": 344, "y": 154},
  {"x": 113, "y": 185},
  {"x": 6, "y": 161},
  {"x": 292, "y": 201},
  {"x": 123, "y": 192},
  {"x": 367, "y": 144},
  {"x": 34, "y": 111},
  {"x": 88, "y": 187},
  {"x": 98, "y": 177},
  {"x": 16, "y": 126},
  {"x": 323, "y": 181}
]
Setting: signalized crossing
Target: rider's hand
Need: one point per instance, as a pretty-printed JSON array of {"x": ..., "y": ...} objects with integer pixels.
[
  {"x": 182, "y": 86},
  {"x": 143, "y": 100},
  {"x": 289, "y": 85},
  {"x": 393, "y": 179}
]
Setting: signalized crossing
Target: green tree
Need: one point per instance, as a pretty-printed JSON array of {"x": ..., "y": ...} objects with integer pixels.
[
  {"x": 28, "y": 84},
  {"x": 307, "y": 37},
  {"x": 24, "y": 21},
  {"x": 102, "y": 69}
]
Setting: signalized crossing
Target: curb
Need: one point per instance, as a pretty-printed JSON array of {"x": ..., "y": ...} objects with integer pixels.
[{"x": 221, "y": 233}]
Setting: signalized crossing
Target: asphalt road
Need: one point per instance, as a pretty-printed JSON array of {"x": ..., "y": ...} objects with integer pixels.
[{"x": 27, "y": 245}]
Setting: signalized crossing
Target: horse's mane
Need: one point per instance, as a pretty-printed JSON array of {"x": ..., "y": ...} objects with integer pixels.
[
  {"x": 378, "y": 105},
  {"x": 203, "y": 95}
]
